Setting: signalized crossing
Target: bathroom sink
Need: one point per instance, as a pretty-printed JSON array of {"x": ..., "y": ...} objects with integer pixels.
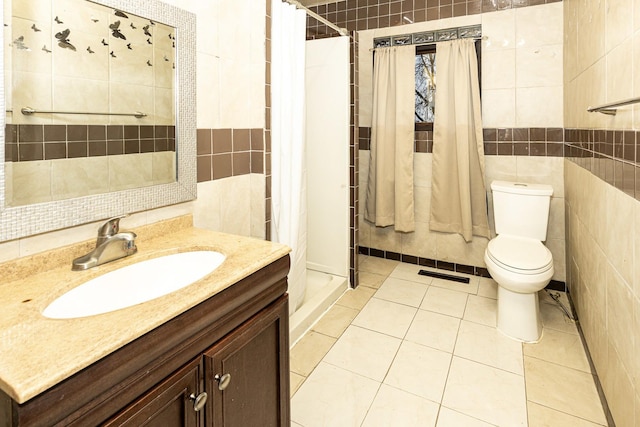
[{"x": 134, "y": 284}]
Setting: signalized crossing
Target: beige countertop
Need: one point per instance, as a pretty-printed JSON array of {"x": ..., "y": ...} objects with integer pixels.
[{"x": 36, "y": 353}]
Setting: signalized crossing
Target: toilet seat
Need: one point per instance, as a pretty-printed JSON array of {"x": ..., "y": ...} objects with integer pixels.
[{"x": 520, "y": 255}]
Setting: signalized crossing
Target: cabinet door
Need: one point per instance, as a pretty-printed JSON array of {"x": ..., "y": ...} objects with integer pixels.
[
  {"x": 169, "y": 404},
  {"x": 247, "y": 372}
]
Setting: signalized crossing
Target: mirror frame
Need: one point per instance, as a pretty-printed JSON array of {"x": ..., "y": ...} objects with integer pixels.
[{"x": 22, "y": 221}]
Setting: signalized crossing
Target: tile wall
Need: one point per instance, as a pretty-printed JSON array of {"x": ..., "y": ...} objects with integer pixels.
[
  {"x": 602, "y": 44},
  {"x": 223, "y": 153},
  {"x": 233, "y": 115},
  {"x": 371, "y": 14},
  {"x": 522, "y": 83},
  {"x": 522, "y": 97},
  {"x": 611, "y": 155},
  {"x": 541, "y": 142},
  {"x": 603, "y": 239},
  {"x": 451, "y": 248}
]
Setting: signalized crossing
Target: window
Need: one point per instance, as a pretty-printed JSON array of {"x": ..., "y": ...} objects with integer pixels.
[{"x": 425, "y": 71}]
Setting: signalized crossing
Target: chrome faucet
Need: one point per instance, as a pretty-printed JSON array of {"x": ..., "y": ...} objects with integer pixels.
[{"x": 112, "y": 244}]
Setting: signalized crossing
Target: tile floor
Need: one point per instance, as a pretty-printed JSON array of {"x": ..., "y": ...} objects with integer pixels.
[{"x": 408, "y": 350}]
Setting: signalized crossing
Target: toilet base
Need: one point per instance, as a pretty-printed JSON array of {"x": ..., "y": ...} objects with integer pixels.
[{"x": 519, "y": 315}]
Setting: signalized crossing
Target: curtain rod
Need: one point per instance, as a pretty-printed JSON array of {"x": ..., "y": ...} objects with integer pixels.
[
  {"x": 341, "y": 31},
  {"x": 610, "y": 108}
]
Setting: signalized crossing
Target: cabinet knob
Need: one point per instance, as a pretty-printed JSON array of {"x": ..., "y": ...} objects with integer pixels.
[
  {"x": 198, "y": 401},
  {"x": 223, "y": 381}
]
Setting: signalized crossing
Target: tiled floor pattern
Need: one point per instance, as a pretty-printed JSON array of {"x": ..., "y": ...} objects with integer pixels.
[{"x": 408, "y": 350}]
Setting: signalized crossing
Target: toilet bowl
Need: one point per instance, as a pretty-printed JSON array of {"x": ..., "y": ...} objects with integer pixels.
[
  {"x": 517, "y": 259},
  {"x": 521, "y": 267}
]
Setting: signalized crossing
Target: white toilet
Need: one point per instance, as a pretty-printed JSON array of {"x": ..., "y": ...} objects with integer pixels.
[{"x": 517, "y": 259}]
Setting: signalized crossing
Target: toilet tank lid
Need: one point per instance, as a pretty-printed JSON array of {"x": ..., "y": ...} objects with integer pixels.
[{"x": 522, "y": 188}]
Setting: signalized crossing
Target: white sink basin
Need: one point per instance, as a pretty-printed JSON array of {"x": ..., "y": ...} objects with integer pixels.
[{"x": 134, "y": 284}]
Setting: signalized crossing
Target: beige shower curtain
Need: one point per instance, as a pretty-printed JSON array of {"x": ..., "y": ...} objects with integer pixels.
[
  {"x": 458, "y": 193},
  {"x": 389, "y": 198}
]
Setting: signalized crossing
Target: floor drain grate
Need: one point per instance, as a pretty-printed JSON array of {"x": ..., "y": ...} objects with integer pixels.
[{"x": 444, "y": 276}]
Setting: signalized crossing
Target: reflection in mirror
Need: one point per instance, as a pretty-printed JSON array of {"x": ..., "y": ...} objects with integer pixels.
[
  {"x": 89, "y": 99},
  {"x": 100, "y": 111}
]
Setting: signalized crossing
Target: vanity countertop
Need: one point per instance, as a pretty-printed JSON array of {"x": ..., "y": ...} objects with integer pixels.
[{"x": 36, "y": 353}]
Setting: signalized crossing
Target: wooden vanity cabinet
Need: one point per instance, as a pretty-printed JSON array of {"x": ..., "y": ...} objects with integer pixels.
[
  {"x": 243, "y": 330},
  {"x": 244, "y": 379}
]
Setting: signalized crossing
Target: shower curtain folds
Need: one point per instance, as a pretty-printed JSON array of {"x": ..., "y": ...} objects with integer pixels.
[
  {"x": 458, "y": 193},
  {"x": 389, "y": 197},
  {"x": 288, "y": 185}
]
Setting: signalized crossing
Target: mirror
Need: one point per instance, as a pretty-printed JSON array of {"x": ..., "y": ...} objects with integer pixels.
[{"x": 100, "y": 114}]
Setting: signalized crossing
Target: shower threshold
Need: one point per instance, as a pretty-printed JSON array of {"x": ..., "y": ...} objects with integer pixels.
[{"x": 323, "y": 291}]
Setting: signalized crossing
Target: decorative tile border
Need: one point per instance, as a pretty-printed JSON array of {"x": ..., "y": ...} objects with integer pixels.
[
  {"x": 357, "y": 15},
  {"x": 443, "y": 265},
  {"x": 24, "y": 143},
  {"x": 354, "y": 162},
  {"x": 611, "y": 155},
  {"x": 222, "y": 153},
  {"x": 545, "y": 142},
  {"x": 425, "y": 262},
  {"x": 474, "y": 31},
  {"x": 267, "y": 123}
]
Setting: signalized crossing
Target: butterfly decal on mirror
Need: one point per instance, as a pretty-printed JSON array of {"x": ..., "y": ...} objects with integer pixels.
[
  {"x": 63, "y": 40},
  {"x": 121, "y": 14},
  {"x": 146, "y": 30},
  {"x": 19, "y": 43},
  {"x": 115, "y": 31}
]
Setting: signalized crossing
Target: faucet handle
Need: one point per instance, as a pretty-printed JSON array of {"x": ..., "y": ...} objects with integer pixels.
[{"x": 110, "y": 228}]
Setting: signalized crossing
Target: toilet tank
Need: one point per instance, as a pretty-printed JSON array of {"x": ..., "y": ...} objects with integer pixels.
[{"x": 521, "y": 209}]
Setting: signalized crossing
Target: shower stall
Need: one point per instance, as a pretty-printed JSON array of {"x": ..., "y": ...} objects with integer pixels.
[
  {"x": 310, "y": 203},
  {"x": 327, "y": 163}
]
